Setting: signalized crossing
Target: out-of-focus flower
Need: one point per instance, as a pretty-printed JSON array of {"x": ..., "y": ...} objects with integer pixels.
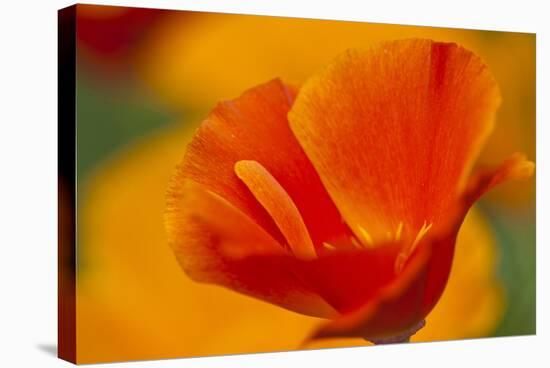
[
  {"x": 108, "y": 35},
  {"x": 135, "y": 303},
  {"x": 329, "y": 213},
  {"x": 193, "y": 61}
]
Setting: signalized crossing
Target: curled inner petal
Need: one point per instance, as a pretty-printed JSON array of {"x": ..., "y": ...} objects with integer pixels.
[{"x": 276, "y": 201}]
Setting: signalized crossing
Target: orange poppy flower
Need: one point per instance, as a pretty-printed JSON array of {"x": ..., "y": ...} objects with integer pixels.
[
  {"x": 342, "y": 200},
  {"x": 134, "y": 302}
]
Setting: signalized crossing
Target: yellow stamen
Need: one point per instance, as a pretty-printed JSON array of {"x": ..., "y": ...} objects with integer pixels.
[
  {"x": 421, "y": 233},
  {"x": 399, "y": 231},
  {"x": 329, "y": 246},
  {"x": 405, "y": 253},
  {"x": 366, "y": 236}
]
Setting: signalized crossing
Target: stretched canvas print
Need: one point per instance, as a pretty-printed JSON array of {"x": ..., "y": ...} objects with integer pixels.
[{"x": 238, "y": 183}]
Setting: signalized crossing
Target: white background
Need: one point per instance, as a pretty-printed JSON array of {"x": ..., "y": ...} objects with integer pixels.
[{"x": 28, "y": 181}]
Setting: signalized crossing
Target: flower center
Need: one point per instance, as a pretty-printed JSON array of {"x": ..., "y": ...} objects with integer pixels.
[{"x": 406, "y": 251}]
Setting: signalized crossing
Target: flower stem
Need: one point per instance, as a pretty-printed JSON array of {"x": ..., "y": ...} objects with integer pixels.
[{"x": 399, "y": 338}]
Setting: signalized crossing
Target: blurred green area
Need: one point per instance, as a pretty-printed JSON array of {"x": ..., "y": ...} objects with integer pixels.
[
  {"x": 516, "y": 238},
  {"x": 110, "y": 118}
]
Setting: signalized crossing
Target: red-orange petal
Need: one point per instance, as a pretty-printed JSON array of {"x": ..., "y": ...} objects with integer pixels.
[
  {"x": 276, "y": 201},
  {"x": 255, "y": 127},
  {"x": 394, "y": 130},
  {"x": 396, "y": 307},
  {"x": 401, "y": 304},
  {"x": 439, "y": 266},
  {"x": 214, "y": 242},
  {"x": 347, "y": 279}
]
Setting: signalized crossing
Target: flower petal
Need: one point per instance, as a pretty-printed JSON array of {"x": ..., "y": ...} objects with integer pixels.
[
  {"x": 439, "y": 266},
  {"x": 255, "y": 127},
  {"x": 347, "y": 279},
  {"x": 400, "y": 304},
  {"x": 473, "y": 288},
  {"x": 397, "y": 307},
  {"x": 394, "y": 130},
  {"x": 279, "y": 205},
  {"x": 213, "y": 242}
]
